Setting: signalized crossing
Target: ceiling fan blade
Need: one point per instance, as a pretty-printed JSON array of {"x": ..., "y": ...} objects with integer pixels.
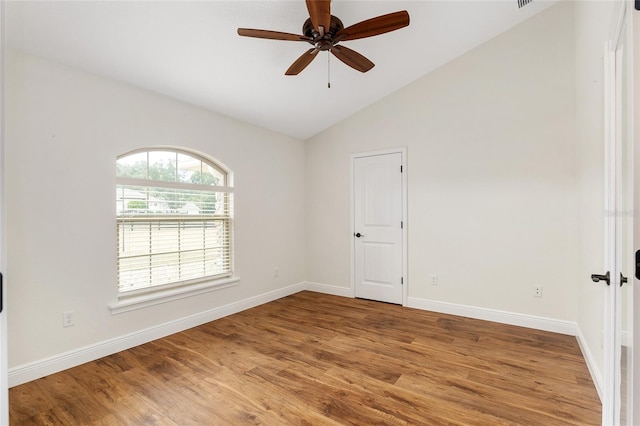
[
  {"x": 352, "y": 58},
  {"x": 273, "y": 35},
  {"x": 374, "y": 26},
  {"x": 320, "y": 14},
  {"x": 302, "y": 62}
]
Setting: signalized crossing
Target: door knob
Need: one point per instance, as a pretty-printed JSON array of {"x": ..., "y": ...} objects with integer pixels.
[
  {"x": 606, "y": 278},
  {"x": 623, "y": 279},
  {"x": 358, "y": 235}
]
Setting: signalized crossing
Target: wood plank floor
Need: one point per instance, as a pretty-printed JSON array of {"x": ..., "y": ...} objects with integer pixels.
[{"x": 317, "y": 359}]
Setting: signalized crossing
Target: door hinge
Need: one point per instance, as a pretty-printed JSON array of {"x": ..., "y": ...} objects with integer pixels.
[
  {"x": 402, "y": 280},
  {"x": 401, "y": 224},
  {"x": 400, "y": 169}
]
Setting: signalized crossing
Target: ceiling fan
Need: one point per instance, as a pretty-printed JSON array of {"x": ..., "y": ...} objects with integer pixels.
[{"x": 324, "y": 31}]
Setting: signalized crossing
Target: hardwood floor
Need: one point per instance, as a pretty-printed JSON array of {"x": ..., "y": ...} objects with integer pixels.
[{"x": 317, "y": 359}]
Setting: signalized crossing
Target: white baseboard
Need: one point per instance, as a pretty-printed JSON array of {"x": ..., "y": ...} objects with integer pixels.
[
  {"x": 596, "y": 375},
  {"x": 329, "y": 289},
  {"x": 504, "y": 317},
  {"x": 34, "y": 370}
]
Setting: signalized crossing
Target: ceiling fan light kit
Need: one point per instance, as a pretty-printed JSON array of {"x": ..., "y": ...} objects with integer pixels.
[{"x": 324, "y": 31}]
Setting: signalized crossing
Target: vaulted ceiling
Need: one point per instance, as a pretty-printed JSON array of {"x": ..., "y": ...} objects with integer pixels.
[{"x": 189, "y": 50}]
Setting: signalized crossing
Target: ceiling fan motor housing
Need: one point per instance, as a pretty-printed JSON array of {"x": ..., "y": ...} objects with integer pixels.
[{"x": 322, "y": 42}]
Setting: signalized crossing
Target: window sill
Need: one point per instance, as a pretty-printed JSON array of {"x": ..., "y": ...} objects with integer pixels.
[{"x": 132, "y": 303}]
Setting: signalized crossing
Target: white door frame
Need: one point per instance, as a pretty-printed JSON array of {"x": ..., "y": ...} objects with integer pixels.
[
  {"x": 609, "y": 234},
  {"x": 403, "y": 152}
]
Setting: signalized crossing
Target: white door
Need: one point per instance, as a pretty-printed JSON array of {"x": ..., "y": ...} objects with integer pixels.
[
  {"x": 378, "y": 227},
  {"x": 4, "y": 385},
  {"x": 625, "y": 262},
  {"x": 617, "y": 405}
]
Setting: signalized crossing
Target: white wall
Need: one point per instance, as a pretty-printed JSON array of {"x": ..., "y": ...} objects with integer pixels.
[
  {"x": 491, "y": 175},
  {"x": 64, "y": 131},
  {"x": 593, "y": 22}
]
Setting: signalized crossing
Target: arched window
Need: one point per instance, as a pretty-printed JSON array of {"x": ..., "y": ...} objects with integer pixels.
[{"x": 173, "y": 220}]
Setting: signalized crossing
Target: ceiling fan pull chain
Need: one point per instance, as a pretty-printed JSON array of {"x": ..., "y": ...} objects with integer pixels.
[{"x": 328, "y": 70}]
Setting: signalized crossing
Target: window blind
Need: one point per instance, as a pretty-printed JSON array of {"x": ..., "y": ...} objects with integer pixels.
[{"x": 171, "y": 233}]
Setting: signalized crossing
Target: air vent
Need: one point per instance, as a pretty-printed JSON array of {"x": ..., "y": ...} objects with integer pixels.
[{"x": 522, "y": 3}]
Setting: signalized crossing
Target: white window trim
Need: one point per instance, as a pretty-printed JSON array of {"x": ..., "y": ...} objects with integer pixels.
[{"x": 135, "y": 302}]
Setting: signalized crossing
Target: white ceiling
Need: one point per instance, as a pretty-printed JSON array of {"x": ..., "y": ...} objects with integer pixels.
[{"x": 189, "y": 50}]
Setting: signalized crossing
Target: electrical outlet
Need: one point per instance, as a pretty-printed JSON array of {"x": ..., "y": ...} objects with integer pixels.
[
  {"x": 68, "y": 318},
  {"x": 434, "y": 280},
  {"x": 276, "y": 273},
  {"x": 538, "y": 291}
]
